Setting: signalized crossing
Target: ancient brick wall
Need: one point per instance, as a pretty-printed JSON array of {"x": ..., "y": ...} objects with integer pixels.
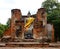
[
  {"x": 52, "y": 33},
  {"x": 16, "y": 15},
  {"x": 7, "y": 32},
  {"x": 39, "y": 25}
]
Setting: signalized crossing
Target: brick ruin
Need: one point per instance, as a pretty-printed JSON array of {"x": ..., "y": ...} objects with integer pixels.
[{"x": 18, "y": 22}]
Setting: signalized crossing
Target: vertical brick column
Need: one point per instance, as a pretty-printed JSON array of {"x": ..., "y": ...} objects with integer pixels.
[
  {"x": 16, "y": 15},
  {"x": 52, "y": 33},
  {"x": 41, "y": 23}
]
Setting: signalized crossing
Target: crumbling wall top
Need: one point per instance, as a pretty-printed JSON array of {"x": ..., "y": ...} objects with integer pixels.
[
  {"x": 15, "y": 10},
  {"x": 41, "y": 9}
]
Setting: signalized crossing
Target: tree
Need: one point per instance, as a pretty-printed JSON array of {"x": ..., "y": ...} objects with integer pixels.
[
  {"x": 53, "y": 9},
  {"x": 2, "y": 29},
  {"x": 8, "y": 23},
  {"x": 53, "y": 14}
]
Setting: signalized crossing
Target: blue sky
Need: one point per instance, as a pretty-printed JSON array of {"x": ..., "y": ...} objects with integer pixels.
[{"x": 24, "y": 5}]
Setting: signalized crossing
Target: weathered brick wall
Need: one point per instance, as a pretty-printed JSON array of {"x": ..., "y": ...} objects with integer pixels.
[
  {"x": 52, "y": 33},
  {"x": 16, "y": 15},
  {"x": 7, "y": 32},
  {"x": 40, "y": 23}
]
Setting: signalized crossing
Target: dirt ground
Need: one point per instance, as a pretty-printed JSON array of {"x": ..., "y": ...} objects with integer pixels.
[{"x": 26, "y": 48}]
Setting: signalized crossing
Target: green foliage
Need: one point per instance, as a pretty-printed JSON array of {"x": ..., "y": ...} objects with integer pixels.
[
  {"x": 2, "y": 29},
  {"x": 56, "y": 24},
  {"x": 1, "y": 33},
  {"x": 8, "y": 22},
  {"x": 53, "y": 14}
]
